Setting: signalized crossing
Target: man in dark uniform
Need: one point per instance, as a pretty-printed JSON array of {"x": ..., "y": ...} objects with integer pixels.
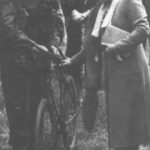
[{"x": 27, "y": 27}]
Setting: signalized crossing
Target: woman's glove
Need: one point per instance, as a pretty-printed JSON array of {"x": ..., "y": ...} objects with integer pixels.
[{"x": 111, "y": 49}]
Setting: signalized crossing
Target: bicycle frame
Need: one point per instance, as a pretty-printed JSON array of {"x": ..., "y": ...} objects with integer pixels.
[
  {"x": 55, "y": 104},
  {"x": 61, "y": 96}
]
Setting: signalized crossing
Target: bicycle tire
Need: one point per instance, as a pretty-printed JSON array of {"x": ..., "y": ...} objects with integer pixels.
[
  {"x": 62, "y": 86},
  {"x": 45, "y": 131},
  {"x": 69, "y": 109}
]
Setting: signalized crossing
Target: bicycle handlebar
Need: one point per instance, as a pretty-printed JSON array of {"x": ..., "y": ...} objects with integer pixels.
[{"x": 54, "y": 57}]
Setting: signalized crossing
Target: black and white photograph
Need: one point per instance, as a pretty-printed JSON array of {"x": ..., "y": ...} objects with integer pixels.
[{"x": 74, "y": 74}]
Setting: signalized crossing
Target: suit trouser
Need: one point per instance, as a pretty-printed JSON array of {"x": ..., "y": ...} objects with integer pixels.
[
  {"x": 92, "y": 83},
  {"x": 22, "y": 93},
  {"x": 90, "y": 106},
  {"x": 73, "y": 47}
]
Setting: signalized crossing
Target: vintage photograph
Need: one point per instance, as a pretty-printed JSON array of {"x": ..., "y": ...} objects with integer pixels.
[{"x": 74, "y": 74}]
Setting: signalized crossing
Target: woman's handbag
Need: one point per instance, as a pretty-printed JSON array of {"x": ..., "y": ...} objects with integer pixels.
[{"x": 113, "y": 34}]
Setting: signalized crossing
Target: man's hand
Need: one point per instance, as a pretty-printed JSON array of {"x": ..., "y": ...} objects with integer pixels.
[
  {"x": 39, "y": 51},
  {"x": 77, "y": 16},
  {"x": 66, "y": 62},
  {"x": 55, "y": 50},
  {"x": 42, "y": 48}
]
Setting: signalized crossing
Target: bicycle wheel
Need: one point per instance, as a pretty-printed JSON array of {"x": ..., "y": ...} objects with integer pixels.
[
  {"x": 45, "y": 133},
  {"x": 69, "y": 111},
  {"x": 55, "y": 86}
]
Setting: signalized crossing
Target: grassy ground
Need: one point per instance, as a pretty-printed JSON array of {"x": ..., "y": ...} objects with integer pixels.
[
  {"x": 98, "y": 140},
  {"x": 3, "y": 124}
]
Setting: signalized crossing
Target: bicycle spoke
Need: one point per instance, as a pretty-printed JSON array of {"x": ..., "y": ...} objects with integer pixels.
[
  {"x": 45, "y": 131},
  {"x": 69, "y": 114}
]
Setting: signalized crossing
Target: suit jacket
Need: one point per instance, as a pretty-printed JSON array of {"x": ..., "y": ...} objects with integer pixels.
[
  {"x": 127, "y": 81},
  {"x": 22, "y": 28}
]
